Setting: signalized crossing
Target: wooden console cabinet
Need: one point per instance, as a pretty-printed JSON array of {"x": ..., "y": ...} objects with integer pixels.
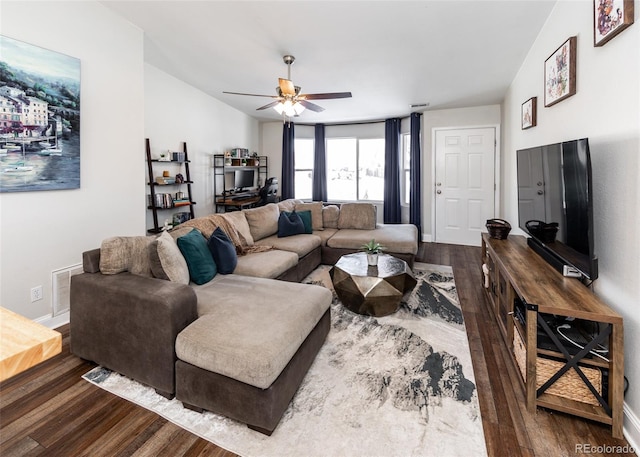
[{"x": 517, "y": 276}]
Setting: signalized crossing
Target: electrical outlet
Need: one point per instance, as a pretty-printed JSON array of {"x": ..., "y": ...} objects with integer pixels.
[{"x": 36, "y": 293}]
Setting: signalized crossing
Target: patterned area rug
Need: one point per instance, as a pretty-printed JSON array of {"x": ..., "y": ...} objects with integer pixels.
[{"x": 400, "y": 385}]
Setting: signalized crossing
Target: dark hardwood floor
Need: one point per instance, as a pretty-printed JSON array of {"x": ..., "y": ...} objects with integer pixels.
[{"x": 49, "y": 410}]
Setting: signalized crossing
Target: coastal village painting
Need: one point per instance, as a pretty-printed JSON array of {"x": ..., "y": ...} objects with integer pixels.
[{"x": 39, "y": 118}]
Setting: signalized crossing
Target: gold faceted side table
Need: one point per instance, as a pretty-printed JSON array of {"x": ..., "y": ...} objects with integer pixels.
[{"x": 372, "y": 291}]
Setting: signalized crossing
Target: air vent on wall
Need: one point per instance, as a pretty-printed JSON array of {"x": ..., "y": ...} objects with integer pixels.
[{"x": 61, "y": 280}]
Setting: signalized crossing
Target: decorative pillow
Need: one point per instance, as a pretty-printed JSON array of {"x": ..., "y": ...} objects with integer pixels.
[
  {"x": 263, "y": 221},
  {"x": 330, "y": 214},
  {"x": 357, "y": 216},
  {"x": 179, "y": 231},
  {"x": 306, "y": 220},
  {"x": 194, "y": 248},
  {"x": 223, "y": 252},
  {"x": 167, "y": 261},
  {"x": 289, "y": 224},
  {"x": 125, "y": 253},
  {"x": 316, "y": 213},
  {"x": 239, "y": 221},
  {"x": 288, "y": 205}
]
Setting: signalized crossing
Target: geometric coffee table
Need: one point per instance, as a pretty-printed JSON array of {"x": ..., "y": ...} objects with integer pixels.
[{"x": 371, "y": 290}]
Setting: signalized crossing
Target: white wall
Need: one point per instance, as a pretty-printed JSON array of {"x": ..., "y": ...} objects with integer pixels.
[
  {"x": 604, "y": 109},
  {"x": 176, "y": 112},
  {"x": 44, "y": 231}
]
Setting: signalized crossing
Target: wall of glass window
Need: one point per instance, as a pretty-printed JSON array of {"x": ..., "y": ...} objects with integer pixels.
[{"x": 354, "y": 159}]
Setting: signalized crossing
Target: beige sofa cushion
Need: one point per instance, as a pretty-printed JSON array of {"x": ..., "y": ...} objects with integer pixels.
[
  {"x": 399, "y": 238},
  {"x": 316, "y": 213},
  {"x": 253, "y": 339},
  {"x": 325, "y": 234},
  {"x": 330, "y": 215},
  {"x": 301, "y": 244},
  {"x": 239, "y": 221},
  {"x": 166, "y": 260},
  {"x": 126, "y": 253},
  {"x": 263, "y": 221},
  {"x": 360, "y": 216},
  {"x": 269, "y": 264},
  {"x": 288, "y": 204}
]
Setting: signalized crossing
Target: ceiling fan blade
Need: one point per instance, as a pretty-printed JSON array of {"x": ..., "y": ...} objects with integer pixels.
[
  {"x": 268, "y": 105},
  {"x": 286, "y": 86},
  {"x": 311, "y": 106},
  {"x": 251, "y": 95},
  {"x": 326, "y": 96}
]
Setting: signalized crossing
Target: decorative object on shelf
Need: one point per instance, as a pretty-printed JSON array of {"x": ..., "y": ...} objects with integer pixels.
[
  {"x": 372, "y": 249},
  {"x": 177, "y": 156},
  {"x": 165, "y": 157},
  {"x": 560, "y": 73},
  {"x": 179, "y": 178},
  {"x": 165, "y": 173},
  {"x": 498, "y": 228},
  {"x": 610, "y": 17},
  {"x": 528, "y": 116}
]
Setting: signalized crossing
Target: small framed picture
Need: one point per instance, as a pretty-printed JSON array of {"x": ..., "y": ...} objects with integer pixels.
[
  {"x": 560, "y": 73},
  {"x": 610, "y": 17},
  {"x": 528, "y": 114}
]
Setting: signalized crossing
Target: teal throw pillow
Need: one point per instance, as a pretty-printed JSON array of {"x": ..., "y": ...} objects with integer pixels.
[
  {"x": 200, "y": 262},
  {"x": 289, "y": 224},
  {"x": 306, "y": 220},
  {"x": 223, "y": 252}
]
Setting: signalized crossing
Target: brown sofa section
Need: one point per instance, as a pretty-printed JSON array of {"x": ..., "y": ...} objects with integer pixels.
[{"x": 129, "y": 323}]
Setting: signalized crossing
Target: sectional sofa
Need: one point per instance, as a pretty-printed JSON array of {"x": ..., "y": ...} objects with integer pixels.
[{"x": 239, "y": 344}]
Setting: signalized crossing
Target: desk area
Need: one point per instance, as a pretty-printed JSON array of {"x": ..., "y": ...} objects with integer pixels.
[{"x": 233, "y": 202}]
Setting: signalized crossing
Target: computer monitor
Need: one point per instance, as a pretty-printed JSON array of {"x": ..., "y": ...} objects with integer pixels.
[{"x": 244, "y": 179}]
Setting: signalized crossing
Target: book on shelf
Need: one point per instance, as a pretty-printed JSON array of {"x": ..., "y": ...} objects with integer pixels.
[{"x": 181, "y": 202}]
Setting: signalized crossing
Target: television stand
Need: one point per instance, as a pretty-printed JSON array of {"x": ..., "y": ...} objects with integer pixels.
[{"x": 555, "y": 378}]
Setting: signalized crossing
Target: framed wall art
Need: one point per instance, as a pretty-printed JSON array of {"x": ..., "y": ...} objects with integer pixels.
[
  {"x": 528, "y": 113},
  {"x": 39, "y": 118},
  {"x": 560, "y": 73},
  {"x": 610, "y": 17}
]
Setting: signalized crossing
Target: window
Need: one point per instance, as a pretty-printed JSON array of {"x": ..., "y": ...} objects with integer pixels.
[
  {"x": 355, "y": 169},
  {"x": 406, "y": 168},
  {"x": 303, "y": 167}
]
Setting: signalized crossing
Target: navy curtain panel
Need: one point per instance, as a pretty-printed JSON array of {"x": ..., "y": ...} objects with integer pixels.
[
  {"x": 287, "y": 186},
  {"x": 319, "y": 190},
  {"x": 392, "y": 210},
  {"x": 415, "y": 192}
]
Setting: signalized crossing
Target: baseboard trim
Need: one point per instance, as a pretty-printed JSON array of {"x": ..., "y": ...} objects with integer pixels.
[
  {"x": 631, "y": 427},
  {"x": 54, "y": 322}
]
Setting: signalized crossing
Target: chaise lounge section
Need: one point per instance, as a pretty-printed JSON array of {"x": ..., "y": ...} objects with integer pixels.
[{"x": 239, "y": 344}]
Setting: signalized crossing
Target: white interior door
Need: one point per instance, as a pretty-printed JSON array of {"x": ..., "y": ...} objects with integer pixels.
[{"x": 464, "y": 190}]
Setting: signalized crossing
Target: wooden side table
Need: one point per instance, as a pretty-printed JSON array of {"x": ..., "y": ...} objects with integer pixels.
[{"x": 24, "y": 343}]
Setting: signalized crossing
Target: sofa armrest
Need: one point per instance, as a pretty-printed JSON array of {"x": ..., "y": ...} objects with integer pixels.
[{"x": 129, "y": 323}]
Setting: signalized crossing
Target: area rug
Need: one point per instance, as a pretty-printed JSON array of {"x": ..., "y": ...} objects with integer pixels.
[{"x": 400, "y": 385}]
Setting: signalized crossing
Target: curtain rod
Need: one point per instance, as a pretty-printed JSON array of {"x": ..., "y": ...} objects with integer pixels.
[{"x": 350, "y": 123}]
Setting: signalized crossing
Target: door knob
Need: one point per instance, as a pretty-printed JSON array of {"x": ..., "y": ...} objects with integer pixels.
[
  {"x": 438, "y": 191},
  {"x": 540, "y": 192},
  {"x": 438, "y": 184}
]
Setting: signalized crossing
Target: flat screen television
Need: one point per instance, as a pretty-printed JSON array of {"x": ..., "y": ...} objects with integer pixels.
[
  {"x": 555, "y": 205},
  {"x": 243, "y": 179}
]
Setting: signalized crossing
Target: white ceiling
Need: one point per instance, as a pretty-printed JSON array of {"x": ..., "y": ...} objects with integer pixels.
[{"x": 389, "y": 54}]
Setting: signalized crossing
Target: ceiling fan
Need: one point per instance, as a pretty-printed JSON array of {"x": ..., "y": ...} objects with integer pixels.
[{"x": 289, "y": 100}]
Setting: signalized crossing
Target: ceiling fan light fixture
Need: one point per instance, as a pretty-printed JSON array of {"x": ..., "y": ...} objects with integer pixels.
[{"x": 289, "y": 108}]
